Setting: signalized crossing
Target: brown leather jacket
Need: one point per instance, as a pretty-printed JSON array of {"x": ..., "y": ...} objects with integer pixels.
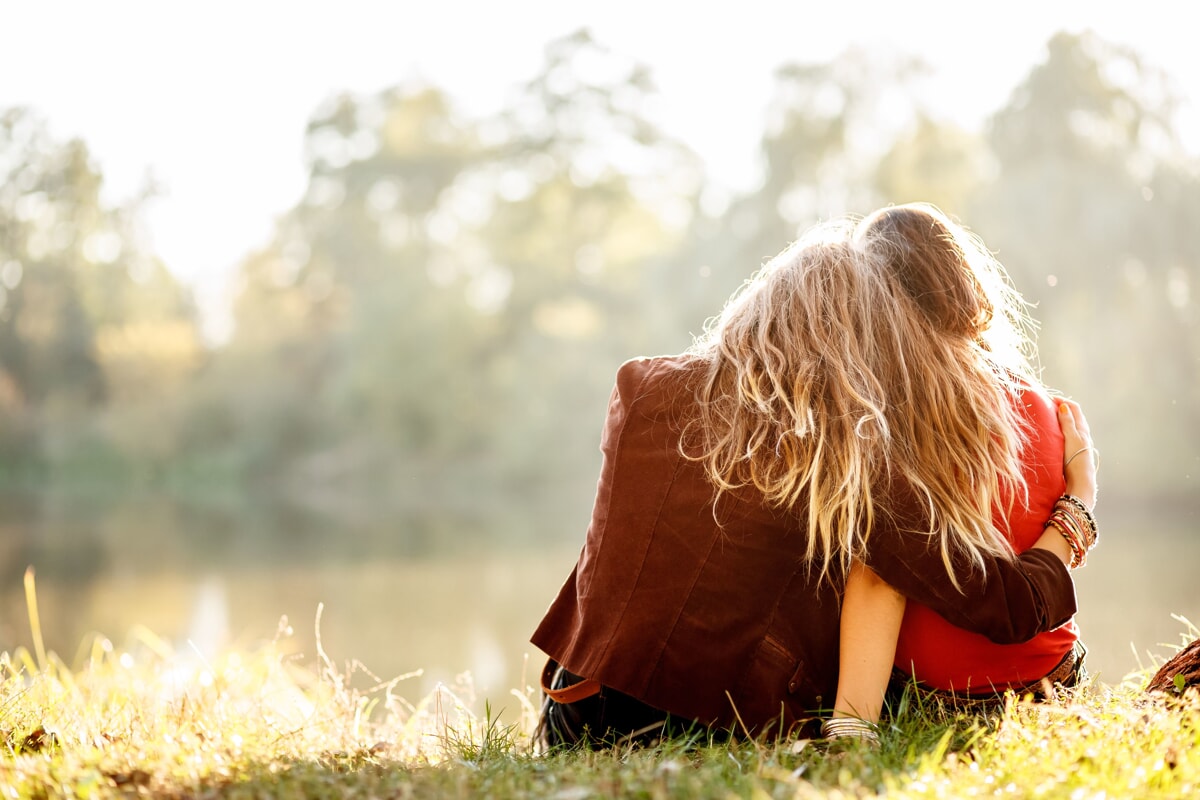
[{"x": 726, "y": 624}]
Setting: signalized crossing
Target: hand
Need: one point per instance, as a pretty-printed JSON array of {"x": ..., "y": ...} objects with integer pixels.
[{"x": 1080, "y": 472}]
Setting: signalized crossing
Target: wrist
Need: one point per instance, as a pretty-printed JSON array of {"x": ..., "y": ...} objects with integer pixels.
[
  {"x": 850, "y": 728},
  {"x": 1054, "y": 541},
  {"x": 1084, "y": 490},
  {"x": 1073, "y": 519}
]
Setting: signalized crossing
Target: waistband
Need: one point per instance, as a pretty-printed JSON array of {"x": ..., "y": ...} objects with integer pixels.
[{"x": 1067, "y": 673}]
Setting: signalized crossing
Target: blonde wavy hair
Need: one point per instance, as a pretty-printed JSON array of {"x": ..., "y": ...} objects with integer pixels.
[{"x": 871, "y": 351}]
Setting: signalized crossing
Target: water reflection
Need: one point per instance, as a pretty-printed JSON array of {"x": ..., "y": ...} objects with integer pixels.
[
  {"x": 440, "y": 596},
  {"x": 208, "y": 630}
]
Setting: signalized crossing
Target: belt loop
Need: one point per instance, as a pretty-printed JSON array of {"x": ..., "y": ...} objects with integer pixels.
[{"x": 568, "y": 694}]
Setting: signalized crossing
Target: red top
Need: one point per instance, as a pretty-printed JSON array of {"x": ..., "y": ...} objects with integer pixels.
[{"x": 941, "y": 655}]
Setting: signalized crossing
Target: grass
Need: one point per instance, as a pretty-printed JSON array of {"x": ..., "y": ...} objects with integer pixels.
[{"x": 143, "y": 720}]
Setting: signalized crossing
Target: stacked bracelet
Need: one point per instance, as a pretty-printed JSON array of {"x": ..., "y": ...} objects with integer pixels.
[
  {"x": 849, "y": 728},
  {"x": 1077, "y": 525}
]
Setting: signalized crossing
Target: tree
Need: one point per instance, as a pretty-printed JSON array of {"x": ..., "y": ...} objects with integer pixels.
[
  {"x": 91, "y": 323},
  {"x": 937, "y": 163},
  {"x": 452, "y": 296},
  {"x": 338, "y": 354},
  {"x": 1084, "y": 211}
]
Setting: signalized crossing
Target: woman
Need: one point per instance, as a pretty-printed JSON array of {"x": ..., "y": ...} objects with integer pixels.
[
  {"x": 998, "y": 450},
  {"x": 739, "y": 481}
]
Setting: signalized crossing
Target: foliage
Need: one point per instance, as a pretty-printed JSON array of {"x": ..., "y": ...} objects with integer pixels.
[
  {"x": 93, "y": 328},
  {"x": 1082, "y": 212},
  {"x": 435, "y": 325}
]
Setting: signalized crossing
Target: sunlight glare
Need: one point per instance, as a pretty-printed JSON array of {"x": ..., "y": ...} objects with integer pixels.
[
  {"x": 10, "y": 273},
  {"x": 1178, "y": 290},
  {"x": 589, "y": 260},
  {"x": 102, "y": 247},
  {"x": 488, "y": 291},
  {"x": 382, "y": 197}
]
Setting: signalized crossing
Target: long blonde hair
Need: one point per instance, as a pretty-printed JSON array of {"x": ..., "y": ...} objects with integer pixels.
[{"x": 868, "y": 352}]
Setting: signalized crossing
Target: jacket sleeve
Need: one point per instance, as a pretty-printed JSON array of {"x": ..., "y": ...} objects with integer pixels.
[{"x": 1009, "y": 600}]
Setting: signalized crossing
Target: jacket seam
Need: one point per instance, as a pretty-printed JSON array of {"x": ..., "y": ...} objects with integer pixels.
[{"x": 603, "y": 652}]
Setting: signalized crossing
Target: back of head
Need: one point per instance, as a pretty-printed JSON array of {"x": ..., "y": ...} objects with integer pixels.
[
  {"x": 962, "y": 291},
  {"x": 865, "y": 353},
  {"x": 962, "y": 355},
  {"x": 792, "y": 404},
  {"x": 932, "y": 264}
]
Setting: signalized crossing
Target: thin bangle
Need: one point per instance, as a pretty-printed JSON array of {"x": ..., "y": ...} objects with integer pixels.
[{"x": 1095, "y": 456}]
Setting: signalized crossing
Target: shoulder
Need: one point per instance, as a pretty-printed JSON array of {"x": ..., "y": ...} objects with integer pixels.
[
  {"x": 1035, "y": 402},
  {"x": 648, "y": 374},
  {"x": 1043, "y": 439}
]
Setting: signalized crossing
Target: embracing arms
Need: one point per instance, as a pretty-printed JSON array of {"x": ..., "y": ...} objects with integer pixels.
[{"x": 872, "y": 609}]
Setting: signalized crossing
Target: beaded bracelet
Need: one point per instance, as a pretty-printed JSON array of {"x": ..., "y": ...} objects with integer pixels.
[
  {"x": 1083, "y": 530},
  {"x": 1073, "y": 539},
  {"x": 1075, "y": 522},
  {"x": 1077, "y": 511},
  {"x": 1084, "y": 511},
  {"x": 1070, "y": 529},
  {"x": 850, "y": 728}
]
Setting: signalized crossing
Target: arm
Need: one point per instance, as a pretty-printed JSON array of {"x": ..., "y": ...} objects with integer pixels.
[
  {"x": 1081, "y": 472},
  {"x": 871, "y": 615},
  {"x": 872, "y": 610},
  {"x": 1009, "y": 599}
]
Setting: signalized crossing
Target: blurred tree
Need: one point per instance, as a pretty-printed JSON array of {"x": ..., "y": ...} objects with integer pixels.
[
  {"x": 590, "y": 201},
  {"x": 90, "y": 323},
  {"x": 1084, "y": 210},
  {"x": 824, "y": 152},
  {"x": 840, "y": 137},
  {"x": 447, "y": 287},
  {"x": 47, "y": 193},
  {"x": 827, "y": 127},
  {"x": 339, "y": 357},
  {"x": 936, "y": 162}
]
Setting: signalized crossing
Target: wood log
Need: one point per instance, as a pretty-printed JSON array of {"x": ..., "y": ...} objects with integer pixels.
[{"x": 1180, "y": 672}]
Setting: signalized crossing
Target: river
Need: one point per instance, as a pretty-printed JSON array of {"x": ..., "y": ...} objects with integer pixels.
[{"x": 437, "y": 597}]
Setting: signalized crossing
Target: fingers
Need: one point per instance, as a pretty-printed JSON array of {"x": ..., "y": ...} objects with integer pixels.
[
  {"x": 1072, "y": 410},
  {"x": 1073, "y": 437},
  {"x": 1074, "y": 424},
  {"x": 1079, "y": 465}
]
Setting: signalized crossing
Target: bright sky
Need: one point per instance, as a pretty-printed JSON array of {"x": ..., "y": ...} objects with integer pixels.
[{"x": 212, "y": 98}]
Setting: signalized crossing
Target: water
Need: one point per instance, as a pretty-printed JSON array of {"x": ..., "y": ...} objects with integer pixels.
[
  {"x": 396, "y": 596},
  {"x": 441, "y": 596}
]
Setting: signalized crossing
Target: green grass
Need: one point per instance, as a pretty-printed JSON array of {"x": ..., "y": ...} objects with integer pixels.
[{"x": 145, "y": 721}]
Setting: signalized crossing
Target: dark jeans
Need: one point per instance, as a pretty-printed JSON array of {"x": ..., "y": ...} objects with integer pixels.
[
  {"x": 610, "y": 718},
  {"x": 605, "y": 719}
]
